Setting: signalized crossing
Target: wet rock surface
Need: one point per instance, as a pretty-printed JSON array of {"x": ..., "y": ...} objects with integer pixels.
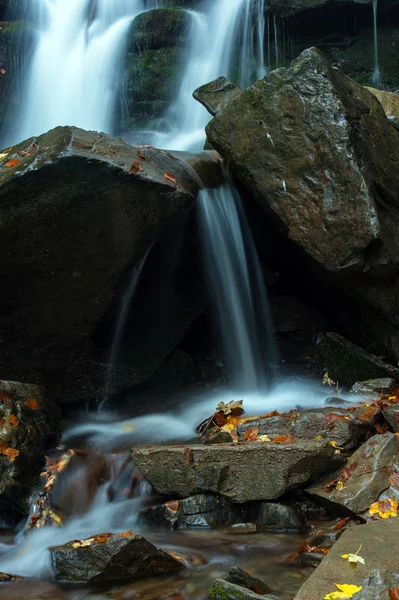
[
  {"x": 223, "y": 589},
  {"x": 242, "y": 578},
  {"x": 270, "y": 515},
  {"x": 379, "y": 543},
  {"x": 366, "y": 475},
  {"x": 217, "y": 94},
  {"x": 34, "y": 590},
  {"x": 286, "y": 137},
  {"x": 117, "y": 558},
  {"x": 92, "y": 206},
  {"x": 240, "y": 473},
  {"x": 29, "y": 426},
  {"x": 391, "y": 415}
]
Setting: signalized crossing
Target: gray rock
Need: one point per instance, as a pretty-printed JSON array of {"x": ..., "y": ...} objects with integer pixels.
[
  {"x": 242, "y": 578},
  {"x": 270, "y": 515},
  {"x": 222, "y": 590},
  {"x": 79, "y": 194},
  {"x": 240, "y": 473},
  {"x": 120, "y": 558},
  {"x": 383, "y": 385},
  {"x": 287, "y": 138},
  {"x": 217, "y": 94},
  {"x": 365, "y": 476},
  {"x": 391, "y": 415},
  {"x": 380, "y": 548},
  {"x": 347, "y": 363},
  {"x": 243, "y": 529}
]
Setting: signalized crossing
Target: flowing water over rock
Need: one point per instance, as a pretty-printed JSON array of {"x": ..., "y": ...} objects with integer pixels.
[{"x": 376, "y": 73}]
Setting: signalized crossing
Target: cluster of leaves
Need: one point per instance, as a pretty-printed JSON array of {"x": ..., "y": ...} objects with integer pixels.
[
  {"x": 384, "y": 509},
  {"x": 101, "y": 538},
  {"x": 10, "y": 453},
  {"x": 345, "y": 590},
  {"x": 338, "y": 482},
  {"x": 136, "y": 168}
]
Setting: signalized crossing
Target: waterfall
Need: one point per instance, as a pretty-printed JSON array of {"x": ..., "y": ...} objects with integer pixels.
[
  {"x": 73, "y": 75},
  {"x": 261, "y": 24},
  {"x": 237, "y": 288},
  {"x": 376, "y": 73},
  {"x": 275, "y": 40}
]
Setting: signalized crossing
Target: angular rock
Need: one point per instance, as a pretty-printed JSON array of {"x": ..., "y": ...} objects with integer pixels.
[
  {"x": 270, "y": 515},
  {"x": 380, "y": 548},
  {"x": 308, "y": 136},
  {"x": 118, "y": 558},
  {"x": 384, "y": 385},
  {"x": 240, "y": 473},
  {"x": 223, "y": 589},
  {"x": 366, "y": 475},
  {"x": 347, "y": 363},
  {"x": 243, "y": 529},
  {"x": 195, "y": 511},
  {"x": 391, "y": 415},
  {"x": 89, "y": 206},
  {"x": 339, "y": 425},
  {"x": 242, "y": 578},
  {"x": 29, "y": 427},
  {"x": 389, "y": 102},
  {"x": 217, "y": 94}
]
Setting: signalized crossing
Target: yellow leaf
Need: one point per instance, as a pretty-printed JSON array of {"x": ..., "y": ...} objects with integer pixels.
[
  {"x": 263, "y": 438},
  {"x": 83, "y": 543},
  {"x": 340, "y": 486},
  {"x": 318, "y": 437},
  {"x": 385, "y": 509},
  {"x": 334, "y": 443},
  {"x": 3, "y": 155},
  {"x": 345, "y": 591}
]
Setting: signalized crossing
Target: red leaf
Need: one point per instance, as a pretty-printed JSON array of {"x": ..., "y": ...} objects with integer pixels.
[
  {"x": 12, "y": 163},
  {"x": 140, "y": 154},
  {"x": 126, "y": 534},
  {"x": 173, "y": 505},
  {"x": 32, "y": 403},
  {"x": 170, "y": 177},
  {"x": 13, "y": 420},
  {"x": 341, "y": 523},
  {"x": 393, "y": 593},
  {"x": 282, "y": 439},
  {"x": 136, "y": 167}
]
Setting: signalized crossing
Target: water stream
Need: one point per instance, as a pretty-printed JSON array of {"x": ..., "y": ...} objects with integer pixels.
[{"x": 376, "y": 72}]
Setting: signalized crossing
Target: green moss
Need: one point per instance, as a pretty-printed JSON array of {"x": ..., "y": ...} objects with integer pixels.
[{"x": 218, "y": 592}]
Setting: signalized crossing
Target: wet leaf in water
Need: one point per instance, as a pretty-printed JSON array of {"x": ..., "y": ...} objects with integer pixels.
[{"x": 32, "y": 403}]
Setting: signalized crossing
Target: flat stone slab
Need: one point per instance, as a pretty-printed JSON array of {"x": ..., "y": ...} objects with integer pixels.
[
  {"x": 242, "y": 473},
  {"x": 380, "y": 550}
]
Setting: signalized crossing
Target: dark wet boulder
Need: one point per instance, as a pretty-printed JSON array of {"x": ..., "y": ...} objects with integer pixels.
[
  {"x": 201, "y": 510},
  {"x": 379, "y": 544},
  {"x": 258, "y": 471},
  {"x": 223, "y": 589},
  {"x": 111, "y": 558},
  {"x": 217, "y": 94},
  {"x": 29, "y": 426},
  {"x": 391, "y": 416},
  {"x": 319, "y": 154},
  {"x": 159, "y": 28},
  {"x": 89, "y": 207},
  {"x": 242, "y": 578},
  {"x": 367, "y": 474},
  {"x": 271, "y": 515},
  {"x": 347, "y": 363}
]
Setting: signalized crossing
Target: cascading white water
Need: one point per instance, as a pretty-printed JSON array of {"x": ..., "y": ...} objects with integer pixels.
[
  {"x": 376, "y": 72},
  {"x": 237, "y": 288},
  {"x": 212, "y": 39},
  {"x": 261, "y": 26},
  {"x": 73, "y": 76}
]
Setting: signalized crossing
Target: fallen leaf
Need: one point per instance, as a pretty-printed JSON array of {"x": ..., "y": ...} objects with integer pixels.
[
  {"x": 10, "y": 453},
  {"x": 170, "y": 177},
  {"x": 173, "y": 505},
  {"x": 282, "y": 439},
  {"x": 23, "y": 153},
  {"x": 341, "y": 523},
  {"x": 251, "y": 434},
  {"x": 367, "y": 414},
  {"x": 32, "y": 403},
  {"x": 340, "y": 486},
  {"x": 354, "y": 558},
  {"x": 332, "y": 417},
  {"x": 345, "y": 591},
  {"x": 82, "y": 543},
  {"x": 231, "y": 408},
  {"x": 140, "y": 154},
  {"x": 393, "y": 593},
  {"x": 3, "y": 155},
  {"x": 264, "y": 438},
  {"x": 384, "y": 509},
  {"x": 136, "y": 167},
  {"x": 394, "y": 480},
  {"x": 13, "y": 420},
  {"x": 126, "y": 534},
  {"x": 102, "y": 537},
  {"x": 382, "y": 428},
  {"x": 13, "y": 162}
]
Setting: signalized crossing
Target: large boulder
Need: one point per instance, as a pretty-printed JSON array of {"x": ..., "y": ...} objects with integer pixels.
[
  {"x": 240, "y": 473},
  {"x": 379, "y": 543},
  {"x": 320, "y": 157},
  {"x": 107, "y": 558},
  {"x": 29, "y": 426},
  {"x": 88, "y": 208}
]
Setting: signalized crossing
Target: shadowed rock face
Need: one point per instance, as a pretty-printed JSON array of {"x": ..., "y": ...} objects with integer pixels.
[
  {"x": 320, "y": 156},
  {"x": 239, "y": 473},
  {"x": 77, "y": 211}
]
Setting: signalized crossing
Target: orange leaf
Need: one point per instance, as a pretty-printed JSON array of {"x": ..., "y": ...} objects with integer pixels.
[
  {"x": 394, "y": 480},
  {"x": 282, "y": 439},
  {"x": 251, "y": 434},
  {"x": 393, "y": 593},
  {"x": 136, "y": 167},
  {"x": 341, "y": 523},
  {"x": 140, "y": 154},
  {"x": 12, "y": 163},
  {"x": 220, "y": 418},
  {"x": 11, "y": 453},
  {"x": 382, "y": 428},
  {"x": 173, "y": 505},
  {"x": 13, "y": 420},
  {"x": 274, "y": 413},
  {"x": 126, "y": 534},
  {"x": 368, "y": 413},
  {"x": 2, "y": 421},
  {"x": 330, "y": 418},
  {"x": 102, "y": 537},
  {"x": 170, "y": 177},
  {"x": 32, "y": 403}
]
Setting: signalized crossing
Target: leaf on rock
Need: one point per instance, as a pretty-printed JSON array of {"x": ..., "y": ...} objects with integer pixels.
[
  {"x": 394, "y": 480},
  {"x": 173, "y": 505},
  {"x": 385, "y": 509},
  {"x": 83, "y": 543},
  {"x": 283, "y": 439},
  {"x": 231, "y": 408},
  {"x": 170, "y": 177},
  {"x": 354, "y": 558},
  {"x": 10, "y": 453},
  {"x": 264, "y": 438},
  {"x": 341, "y": 523},
  {"x": 13, "y": 162},
  {"x": 136, "y": 167},
  {"x": 13, "y": 420},
  {"x": 340, "y": 486},
  {"x": 382, "y": 428},
  {"x": 368, "y": 413},
  {"x": 140, "y": 154},
  {"x": 126, "y": 533},
  {"x": 32, "y": 403},
  {"x": 251, "y": 434},
  {"x": 102, "y": 537},
  {"x": 393, "y": 593},
  {"x": 345, "y": 591}
]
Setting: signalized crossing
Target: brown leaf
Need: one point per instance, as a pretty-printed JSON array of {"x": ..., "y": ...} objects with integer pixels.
[
  {"x": 170, "y": 177},
  {"x": 173, "y": 505},
  {"x": 251, "y": 434},
  {"x": 282, "y": 439},
  {"x": 341, "y": 523},
  {"x": 220, "y": 418},
  {"x": 102, "y": 537},
  {"x": 13, "y": 420},
  {"x": 10, "y": 453},
  {"x": 345, "y": 474},
  {"x": 382, "y": 428},
  {"x": 330, "y": 486},
  {"x": 2, "y": 421},
  {"x": 393, "y": 593},
  {"x": 367, "y": 414},
  {"x": 136, "y": 167},
  {"x": 126, "y": 534},
  {"x": 140, "y": 154},
  {"x": 14, "y": 162},
  {"x": 32, "y": 403},
  {"x": 332, "y": 417},
  {"x": 394, "y": 480}
]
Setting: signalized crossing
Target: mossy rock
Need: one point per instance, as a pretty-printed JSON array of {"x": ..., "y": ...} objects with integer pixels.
[
  {"x": 159, "y": 28},
  {"x": 181, "y": 3}
]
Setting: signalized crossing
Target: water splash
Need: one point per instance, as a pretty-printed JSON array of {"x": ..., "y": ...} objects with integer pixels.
[
  {"x": 73, "y": 75},
  {"x": 237, "y": 287},
  {"x": 376, "y": 72}
]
